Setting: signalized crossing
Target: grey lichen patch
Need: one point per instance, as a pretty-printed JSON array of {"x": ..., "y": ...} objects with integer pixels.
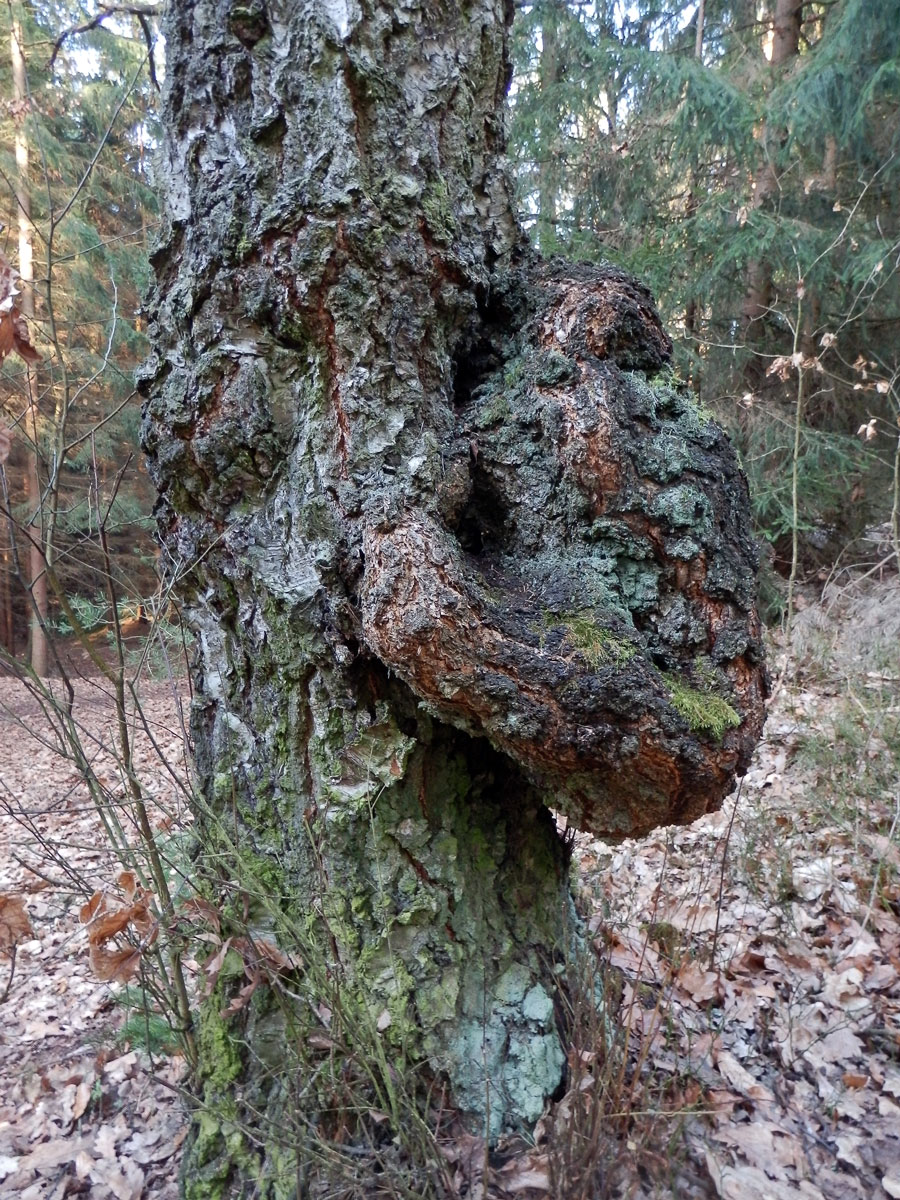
[
  {"x": 537, "y": 1005},
  {"x": 627, "y": 563},
  {"x": 680, "y": 401},
  {"x": 684, "y": 507},
  {"x": 513, "y": 1057},
  {"x": 551, "y": 369},
  {"x": 502, "y": 395},
  {"x": 514, "y": 391},
  {"x": 513, "y": 984},
  {"x": 535, "y": 1060},
  {"x": 639, "y": 584},
  {"x": 664, "y": 458}
]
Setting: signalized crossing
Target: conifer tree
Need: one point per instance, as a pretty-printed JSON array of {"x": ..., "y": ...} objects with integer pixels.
[
  {"x": 84, "y": 109},
  {"x": 755, "y": 184}
]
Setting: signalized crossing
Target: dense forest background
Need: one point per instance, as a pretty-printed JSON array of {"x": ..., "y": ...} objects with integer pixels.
[
  {"x": 741, "y": 157},
  {"x": 77, "y": 208}
]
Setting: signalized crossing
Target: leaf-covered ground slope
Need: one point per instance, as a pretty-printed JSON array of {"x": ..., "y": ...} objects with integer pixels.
[
  {"x": 757, "y": 953},
  {"x": 82, "y": 1110}
]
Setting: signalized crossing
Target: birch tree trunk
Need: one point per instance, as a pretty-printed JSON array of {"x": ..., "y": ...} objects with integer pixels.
[{"x": 451, "y": 558}]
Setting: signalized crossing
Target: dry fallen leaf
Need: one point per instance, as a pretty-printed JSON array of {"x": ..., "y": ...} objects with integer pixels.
[
  {"x": 738, "y": 1182},
  {"x": 741, "y": 1079},
  {"x": 530, "y": 1173},
  {"x": 14, "y": 923},
  {"x": 700, "y": 984},
  {"x": 124, "y": 1178}
]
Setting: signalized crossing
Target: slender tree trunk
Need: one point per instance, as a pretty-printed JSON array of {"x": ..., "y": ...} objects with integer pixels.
[
  {"x": 698, "y": 39},
  {"x": 437, "y": 538},
  {"x": 692, "y": 306},
  {"x": 34, "y": 528},
  {"x": 785, "y": 46},
  {"x": 7, "y": 626},
  {"x": 548, "y": 172}
]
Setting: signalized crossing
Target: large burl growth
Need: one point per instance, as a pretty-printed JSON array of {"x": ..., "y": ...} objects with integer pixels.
[
  {"x": 456, "y": 548},
  {"x": 579, "y": 588}
]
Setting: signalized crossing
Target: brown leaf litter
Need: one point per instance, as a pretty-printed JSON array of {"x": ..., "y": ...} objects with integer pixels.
[{"x": 758, "y": 952}]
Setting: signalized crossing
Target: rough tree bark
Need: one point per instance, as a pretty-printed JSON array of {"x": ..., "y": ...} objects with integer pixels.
[{"x": 455, "y": 548}]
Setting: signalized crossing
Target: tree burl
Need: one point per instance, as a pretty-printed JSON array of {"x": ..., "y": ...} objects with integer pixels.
[{"x": 580, "y": 589}]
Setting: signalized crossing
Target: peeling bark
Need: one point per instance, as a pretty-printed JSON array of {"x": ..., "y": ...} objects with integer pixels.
[{"x": 455, "y": 547}]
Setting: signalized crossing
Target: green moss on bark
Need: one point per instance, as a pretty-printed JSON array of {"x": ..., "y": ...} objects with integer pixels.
[
  {"x": 600, "y": 647},
  {"x": 703, "y": 711}
]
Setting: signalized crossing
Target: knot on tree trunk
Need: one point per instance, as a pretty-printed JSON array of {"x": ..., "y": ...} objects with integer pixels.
[
  {"x": 581, "y": 590},
  {"x": 602, "y": 313}
]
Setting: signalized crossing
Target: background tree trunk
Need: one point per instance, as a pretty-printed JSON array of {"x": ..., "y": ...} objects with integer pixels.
[
  {"x": 548, "y": 173},
  {"x": 34, "y": 530},
  {"x": 788, "y": 23},
  {"x": 448, "y": 555}
]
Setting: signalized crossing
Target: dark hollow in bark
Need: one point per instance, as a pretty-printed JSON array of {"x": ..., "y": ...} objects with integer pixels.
[{"x": 456, "y": 547}]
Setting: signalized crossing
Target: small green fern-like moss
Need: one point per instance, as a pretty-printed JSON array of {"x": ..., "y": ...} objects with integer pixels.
[
  {"x": 703, "y": 711},
  {"x": 599, "y": 646}
]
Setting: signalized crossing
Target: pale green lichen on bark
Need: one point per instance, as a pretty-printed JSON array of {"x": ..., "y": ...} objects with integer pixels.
[
  {"x": 215, "y": 1142},
  {"x": 438, "y": 210},
  {"x": 393, "y": 878}
]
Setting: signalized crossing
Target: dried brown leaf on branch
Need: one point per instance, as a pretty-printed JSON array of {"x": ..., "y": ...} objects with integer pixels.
[
  {"x": 105, "y": 923},
  {"x": 213, "y": 966},
  {"x": 262, "y": 960},
  {"x": 242, "y": 999},
  {"x": 13, "y": 330},
  {"x": 196, "y": 909},
  {"x": 262, "y": 953}
]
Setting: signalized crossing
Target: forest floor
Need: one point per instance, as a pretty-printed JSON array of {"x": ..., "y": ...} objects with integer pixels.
[{"x": 757, "y": 954}]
